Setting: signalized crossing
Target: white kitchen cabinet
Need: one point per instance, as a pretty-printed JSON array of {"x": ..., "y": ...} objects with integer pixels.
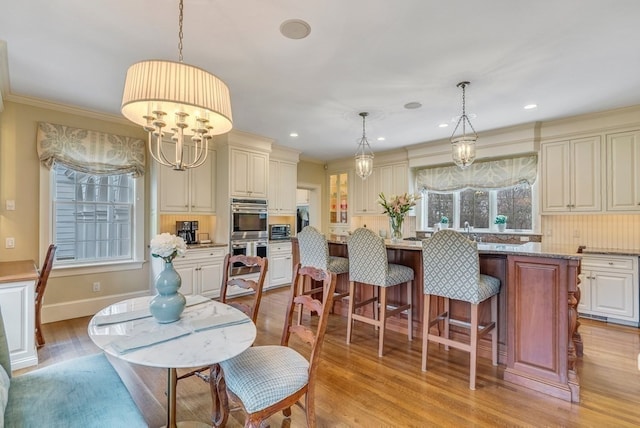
[
  {"x": 280, "y": 264},
  {"x": 201, "y": 271},
  {"x": 365, "y": 194},
  {"x": 190, "y": 191},
  {"x": 572, "y": 176},
  {"x": 18, "y": 313},
  {"x": 623, "y": 171},
  {"x": 339, "y": 199},
  {"x": 283, "y": 183},
  {"x": 609, "y": 288},
  {"x": 249, "y": 173},
  {"x": 390, "y": 179}
]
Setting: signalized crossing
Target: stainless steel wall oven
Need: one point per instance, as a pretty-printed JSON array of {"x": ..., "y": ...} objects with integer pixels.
[
  {"x": 249, "y": 219},
  {"x": 249, "y": 231}
]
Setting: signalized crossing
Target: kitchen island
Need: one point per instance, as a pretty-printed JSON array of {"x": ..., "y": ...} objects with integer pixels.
[{"x": 537, "y": 309}]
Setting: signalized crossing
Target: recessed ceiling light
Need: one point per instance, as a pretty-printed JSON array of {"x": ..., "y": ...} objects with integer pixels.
[
  {"x": 530, "y": 106},
  {"x": 380, "y": 138},
  {"x": 295, "y": 29},
  {"x": 293, "y": 134},
  {"x": 443, "y": 125},
  {"x": 412, "y": 105}
]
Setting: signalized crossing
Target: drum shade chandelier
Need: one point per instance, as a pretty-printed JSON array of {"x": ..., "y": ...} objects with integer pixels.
[
  {"x": 463, "y": 148},
  {"x": 364, "y": 155},
  {"x": 178, "y": 99}
]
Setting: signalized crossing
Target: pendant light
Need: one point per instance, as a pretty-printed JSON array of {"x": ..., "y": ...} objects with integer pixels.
[
  {"x": 364, "y": 155},
  {"x": 463, "y": 148},
  {"x": 179, "y": 99}
]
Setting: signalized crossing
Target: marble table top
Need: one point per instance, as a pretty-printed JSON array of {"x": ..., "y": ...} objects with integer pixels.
[{"x": 195, "y": 348}]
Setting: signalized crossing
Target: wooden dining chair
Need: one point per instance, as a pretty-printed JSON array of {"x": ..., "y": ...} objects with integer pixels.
[
  {"x": 251, "y": 310},
  {"x": 41, "y": 285},
  {"x": 269, "y": 379}
]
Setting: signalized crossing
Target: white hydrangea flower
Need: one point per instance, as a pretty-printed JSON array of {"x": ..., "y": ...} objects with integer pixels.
[{"x": 167, "y": 246}]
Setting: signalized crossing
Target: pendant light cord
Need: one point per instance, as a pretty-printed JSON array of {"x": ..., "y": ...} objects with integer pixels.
[{"x": 180, "y": 8}]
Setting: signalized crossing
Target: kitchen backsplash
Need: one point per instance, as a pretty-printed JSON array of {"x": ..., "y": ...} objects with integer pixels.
[
  {"x": 611, "y": 231},
  {"x": 206, "y": 223},
  {"x": 614, "y": 231}
]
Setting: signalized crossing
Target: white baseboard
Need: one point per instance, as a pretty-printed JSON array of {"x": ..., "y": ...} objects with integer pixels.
[{"x": 83, "y": 308}]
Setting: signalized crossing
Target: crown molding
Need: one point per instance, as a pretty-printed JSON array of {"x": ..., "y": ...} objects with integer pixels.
[{"x": 66, "y": 108}]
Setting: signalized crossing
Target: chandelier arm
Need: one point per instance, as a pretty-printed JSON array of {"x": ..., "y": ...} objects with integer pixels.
[
  {"x": 157, "y": 154},
  {"x": 202, "y": 156}
]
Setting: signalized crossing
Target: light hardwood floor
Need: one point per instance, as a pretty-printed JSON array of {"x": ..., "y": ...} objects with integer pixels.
[{"x": 358, "y": 389}]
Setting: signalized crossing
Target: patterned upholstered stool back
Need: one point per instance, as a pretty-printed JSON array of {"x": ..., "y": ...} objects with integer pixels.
[
  {"x": 451, "y": 266},
  {"x": 367, "y": 257},
  {"x": 314, "y": 250}
]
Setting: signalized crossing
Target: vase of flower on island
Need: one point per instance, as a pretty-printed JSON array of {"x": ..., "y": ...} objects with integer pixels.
[
  {"x": 396, "y": 208},
  {"x": 169, "y": 303},
  {"x": 395, "y": 225}
]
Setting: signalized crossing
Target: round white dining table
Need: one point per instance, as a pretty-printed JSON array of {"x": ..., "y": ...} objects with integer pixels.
[{"x": 208, "y": 332}]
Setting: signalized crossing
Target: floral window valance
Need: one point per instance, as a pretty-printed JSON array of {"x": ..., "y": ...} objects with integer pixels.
[
  {"x": 92, "y": 152},
  {"x": 491, "y": 174}
]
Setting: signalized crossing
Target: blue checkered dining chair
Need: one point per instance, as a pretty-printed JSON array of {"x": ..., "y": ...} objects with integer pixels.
[
  {"x": 269, "y": 379},
  {"x": 451, "y": 269},
  {"x": 368, "y": 265},
  {"x": 314, "y": 252}
]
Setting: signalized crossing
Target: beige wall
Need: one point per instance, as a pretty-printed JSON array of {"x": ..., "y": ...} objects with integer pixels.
[{"x": 19, "y": 181}]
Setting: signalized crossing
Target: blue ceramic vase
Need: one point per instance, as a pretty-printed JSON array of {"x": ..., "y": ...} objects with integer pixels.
[{"x": 168, "y": 304}]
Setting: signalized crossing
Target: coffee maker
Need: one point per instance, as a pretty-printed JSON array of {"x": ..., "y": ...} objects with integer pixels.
[{"x": 187, "y": 230}]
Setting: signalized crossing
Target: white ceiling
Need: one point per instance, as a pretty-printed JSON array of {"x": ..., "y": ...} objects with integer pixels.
[{"x": 568, "y": 56}]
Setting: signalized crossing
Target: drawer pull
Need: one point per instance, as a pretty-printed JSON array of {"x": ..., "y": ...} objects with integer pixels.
[{"x": 610, "y": 263}]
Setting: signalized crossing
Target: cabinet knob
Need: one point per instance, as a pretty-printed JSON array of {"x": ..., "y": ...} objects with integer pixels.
[{"x": 610, "y": 263}]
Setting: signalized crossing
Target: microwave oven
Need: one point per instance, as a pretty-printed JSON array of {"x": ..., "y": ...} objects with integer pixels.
[{"x": 279, "y": 232}]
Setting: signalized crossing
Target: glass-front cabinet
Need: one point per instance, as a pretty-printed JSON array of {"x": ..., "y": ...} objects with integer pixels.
[{"x": 339, "y": 198}]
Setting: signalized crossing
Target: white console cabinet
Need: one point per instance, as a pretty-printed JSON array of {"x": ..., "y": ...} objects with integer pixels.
[
  {"x": 609, "y": 288},
  {"x": 17, "y": 288},
  {"x": 201, "y": 271},
  {"x": 280, "y": 264}
]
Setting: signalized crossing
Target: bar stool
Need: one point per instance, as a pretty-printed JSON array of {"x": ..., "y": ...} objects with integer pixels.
[
  {"x": 314, "y": 252},
  {"x": 451, "y": 269},
  {"x": 368, "y": 264}
]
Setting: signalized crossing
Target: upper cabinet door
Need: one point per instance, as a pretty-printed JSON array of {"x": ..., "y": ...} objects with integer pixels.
[
  {"x": 572, "y": 176},
  {"x": 248, "y": 174},
  {"x": 173, "y": 186},
  {"x": 623, "y": 171},
  {"x": 187, "y": 191},
  {"x": 203, "y": 185}
]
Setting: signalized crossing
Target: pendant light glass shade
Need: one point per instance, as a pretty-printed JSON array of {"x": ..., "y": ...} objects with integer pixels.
[
  {"x": 463, "y": 148},
  {"x": 364, "y": 155},
  {"x": 179, "y": 99}
]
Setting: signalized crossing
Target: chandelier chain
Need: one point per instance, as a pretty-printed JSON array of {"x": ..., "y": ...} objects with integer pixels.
[{"x": 180, "y": 7}]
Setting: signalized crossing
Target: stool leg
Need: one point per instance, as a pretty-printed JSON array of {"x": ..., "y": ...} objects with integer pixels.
[
  {"x": 352, "y": 298},
  {"x": 426, "y": 319},
  {"x": 376, "y": 304},
  {"x": 447, "y": 310},
  {"x": 474, "y": 347},
  {"x": 494, "y": 333},
  {"x": 410, "y": 310},
  {"x": 383, "y": 319}
]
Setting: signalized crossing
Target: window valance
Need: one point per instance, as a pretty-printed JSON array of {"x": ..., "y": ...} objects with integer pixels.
[
  {"x": 490, "y": 174},
  {"x": 92, "y": 152}
]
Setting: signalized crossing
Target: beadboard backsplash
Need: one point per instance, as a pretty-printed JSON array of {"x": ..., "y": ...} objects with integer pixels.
[{"x": 611, "y": 231}]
